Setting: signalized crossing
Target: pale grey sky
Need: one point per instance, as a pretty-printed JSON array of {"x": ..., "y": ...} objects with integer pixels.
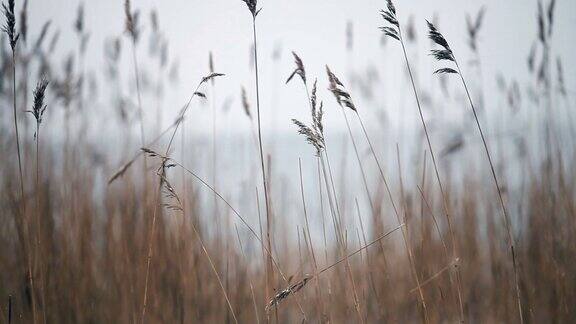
[{"x": 315, "y": 29}]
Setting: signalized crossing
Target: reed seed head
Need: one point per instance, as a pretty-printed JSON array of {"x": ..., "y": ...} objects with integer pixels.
[
  {"x": 211, "y": 76},
  {"x": 299, "y": 69},
  {"x": 314, "y": 134},
  {"x": 292, "y": 289},
  {"x": 337, "y": 88},
  {"x": 131, "y": 21},
  {"x": 389, "y": 15},
  {"x": 10, "y": 26},
  {"x": 252, "y": 6},
  {"x": 444, "y": 54},
  {"x": 39, "y": 107}
]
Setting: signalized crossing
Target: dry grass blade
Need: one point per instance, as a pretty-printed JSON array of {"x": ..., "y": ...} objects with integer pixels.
[{"x": 294, "y": 288}]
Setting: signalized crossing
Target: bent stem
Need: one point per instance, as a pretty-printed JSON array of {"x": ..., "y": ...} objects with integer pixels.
[
  {"x": 215, "y": 272},
  {"x": 156, "y": 201},
  {"x": 22, "y": 197},
  {"x": 16, "y": 125},
  {"x": 389, "y": 192},
  {"x": 437, "y": 173},
  {"x": 261, "y": 151},
  {"x": 500, "y": 197}
]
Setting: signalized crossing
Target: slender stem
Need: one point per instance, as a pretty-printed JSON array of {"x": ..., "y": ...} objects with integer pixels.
[
  {"x": 335, "y": 222},
  {"x": 22, "y": 197},
  {"x": 404, "y": 234},
  {"x": 140, "y": 152},
  {"x": 380, "y": 169},
  {"x": 150, "y": 246},
  {"x": 441, "y": 187},
  {"x": 307, "y": 232},
  {"x": 16, "y": 126},
  {"x": 435, "y": 222},
  {"x": 372, "y": 209},
  {"x": 243, "y": 220},
  {"x": 437, "y": 274},
  {"x": 407, "y": 238},
  {"x": 137, "y": 76},
  {"x": 214, "y": 166},
  {"x": 249, "y": 276},
  {"x": 500, "y": 197},
  {"x": 369, "y": 196},
  {"x": 334, "y": 210},
  {"x": 143, "y": 142},
  {"x": 322, "y": 208},
  {"x": 38, "y": 238},
  {"x": 261, "y": 150},
  {"x": 140, "y": 115},
  {"x": 263, "y": 168},
  {"x": 215, "y": 272},
  {"x": 156, "y": 200},
  {"x": 378, "y": 239}
]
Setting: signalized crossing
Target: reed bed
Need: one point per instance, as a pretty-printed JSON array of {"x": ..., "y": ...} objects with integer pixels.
[{"x": 478, "y": 228}]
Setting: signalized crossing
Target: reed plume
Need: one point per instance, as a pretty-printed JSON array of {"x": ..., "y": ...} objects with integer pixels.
[
  {"x": 10, "y": 26},
  {"x": 315, "y": 136},
  {"x": 345, "y": 100},
  {"x": 446, "y": 54}
]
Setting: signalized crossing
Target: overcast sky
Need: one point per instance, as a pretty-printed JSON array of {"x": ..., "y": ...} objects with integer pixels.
[{"x": 316, "y": 30}]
